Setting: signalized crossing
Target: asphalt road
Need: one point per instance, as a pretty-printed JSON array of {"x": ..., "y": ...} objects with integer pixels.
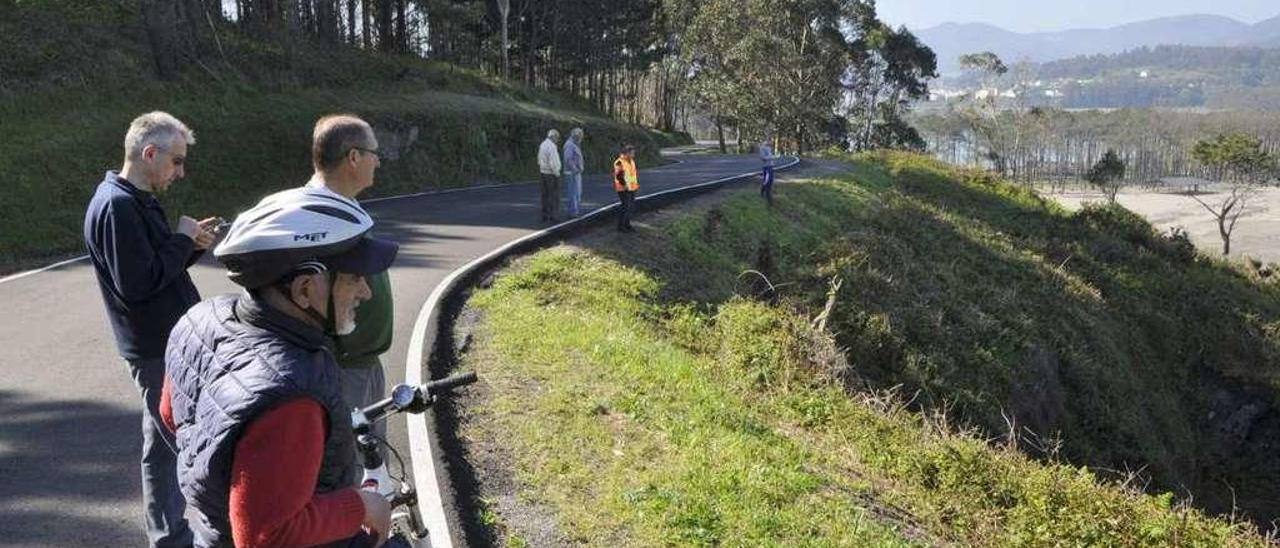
[{"x": 70, "y": 415}]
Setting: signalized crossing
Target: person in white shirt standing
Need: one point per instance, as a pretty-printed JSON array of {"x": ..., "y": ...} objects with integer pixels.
[{"x": 549, "y": 167}]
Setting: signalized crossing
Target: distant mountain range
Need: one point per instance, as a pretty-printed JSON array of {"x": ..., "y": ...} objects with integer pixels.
[{"x": 951, "y": 40}]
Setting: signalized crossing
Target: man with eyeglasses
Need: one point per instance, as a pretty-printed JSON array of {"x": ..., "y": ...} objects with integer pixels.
[
  {"x": 141, "y": 266},
  {"x": 344, "y": 155}
]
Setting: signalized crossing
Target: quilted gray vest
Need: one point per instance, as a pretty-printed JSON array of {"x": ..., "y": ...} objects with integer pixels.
[{"x": 229, "y": 359}]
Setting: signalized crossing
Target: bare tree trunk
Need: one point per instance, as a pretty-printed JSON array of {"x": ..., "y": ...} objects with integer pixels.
[
  {"x": 351, "y": 23},
  {"x": 504, "y": 11},
  {"x": 1226, "y": 235},
  {"x": 366, "y": 25},
  {"x": 159, "y": 17},
  {"x": 288, "y": 36},
  {"x": 720, "y": 135},
  {"x": 386, "y": 41},
  {"x": 402, "y": 27}
]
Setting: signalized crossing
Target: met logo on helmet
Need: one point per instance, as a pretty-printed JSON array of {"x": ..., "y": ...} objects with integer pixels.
[{"x": 312, "y": 237}]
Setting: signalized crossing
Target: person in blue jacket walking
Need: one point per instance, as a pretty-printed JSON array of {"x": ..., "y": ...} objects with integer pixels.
[
  {"x": 767, "y": 158},
  {"x": 573, "y": 168}
]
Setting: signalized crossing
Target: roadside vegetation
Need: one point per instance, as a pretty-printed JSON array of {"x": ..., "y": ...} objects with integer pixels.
[
  {"x": 936, "y": 357},
  {"x": 459, "y": 92},
  {"x": 69, "y": 85}
]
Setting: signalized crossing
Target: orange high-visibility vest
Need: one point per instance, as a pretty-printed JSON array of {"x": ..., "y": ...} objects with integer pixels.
[{"x": 624, "y": 171}]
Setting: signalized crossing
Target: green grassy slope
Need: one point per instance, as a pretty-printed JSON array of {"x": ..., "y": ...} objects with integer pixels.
[
  {"x": 679, "y": 400},
  {"x": 978, "y": 295},
  {"x": 70, "y": 85}
]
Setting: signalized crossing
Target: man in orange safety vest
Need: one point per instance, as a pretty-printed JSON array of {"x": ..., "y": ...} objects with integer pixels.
[{"x": 626, "y": 181}]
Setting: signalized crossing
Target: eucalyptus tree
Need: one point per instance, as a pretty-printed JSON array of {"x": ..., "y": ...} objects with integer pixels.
[
  {"x": 981, "y": 109},
  {"x": 793, "y": 67},
  {"x": 889, "y": 69}
]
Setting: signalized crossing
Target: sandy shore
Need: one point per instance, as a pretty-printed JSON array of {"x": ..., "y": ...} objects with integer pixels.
[{"x": 1257, "y": 234}]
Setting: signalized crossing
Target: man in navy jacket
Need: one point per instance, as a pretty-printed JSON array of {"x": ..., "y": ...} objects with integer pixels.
[{"x": 141, "y": 267}]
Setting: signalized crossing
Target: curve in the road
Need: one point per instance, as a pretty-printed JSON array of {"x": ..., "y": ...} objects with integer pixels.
[
  {"x": 69, "y": 413},
  {"x": 429, "y": 473}
]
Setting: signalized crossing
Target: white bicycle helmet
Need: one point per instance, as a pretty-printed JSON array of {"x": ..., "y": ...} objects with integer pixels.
[{"x": 299, "y": 229}]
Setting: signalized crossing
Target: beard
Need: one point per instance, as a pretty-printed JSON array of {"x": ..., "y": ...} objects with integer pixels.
[{"x": 347, "y": 327}]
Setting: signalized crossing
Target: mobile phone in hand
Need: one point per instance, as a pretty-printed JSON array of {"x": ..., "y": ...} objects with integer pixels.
[{"x": 220, "y": 226}]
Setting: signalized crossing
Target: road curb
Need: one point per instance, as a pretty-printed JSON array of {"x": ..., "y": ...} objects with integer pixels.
[{"x": 431, "y": 474}]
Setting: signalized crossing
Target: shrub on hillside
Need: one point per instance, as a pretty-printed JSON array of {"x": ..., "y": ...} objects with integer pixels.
[{"x": 976, "y": 296}]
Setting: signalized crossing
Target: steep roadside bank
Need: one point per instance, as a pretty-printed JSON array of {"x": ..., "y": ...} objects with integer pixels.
[{"x": 631, "y": 397}]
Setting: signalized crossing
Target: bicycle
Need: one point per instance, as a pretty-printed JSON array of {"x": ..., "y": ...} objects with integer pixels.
[{"x": 407, "y": 529}]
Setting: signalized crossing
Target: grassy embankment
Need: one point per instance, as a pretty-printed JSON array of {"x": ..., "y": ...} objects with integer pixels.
[
  {"x": 71, "y": 79},
  {"x": 642, "y": 402}
]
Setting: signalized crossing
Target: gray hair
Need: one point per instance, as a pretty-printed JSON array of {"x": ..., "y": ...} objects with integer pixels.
[
  {"x": 576, "y": 133},
  {"x": 553, "y": 133},
  {"x": 155, "y": 128}
]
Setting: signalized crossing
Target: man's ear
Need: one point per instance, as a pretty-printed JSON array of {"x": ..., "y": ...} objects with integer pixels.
[
  {"x": 149, "y": 152},
  {"x": 302, "y": 290}
]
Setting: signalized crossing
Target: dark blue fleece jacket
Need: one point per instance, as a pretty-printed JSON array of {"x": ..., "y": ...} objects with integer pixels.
[{"x": 141, "y": 266}]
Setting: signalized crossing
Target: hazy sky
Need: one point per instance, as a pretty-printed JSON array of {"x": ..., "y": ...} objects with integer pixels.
[{"x": 1033, "y": 15}]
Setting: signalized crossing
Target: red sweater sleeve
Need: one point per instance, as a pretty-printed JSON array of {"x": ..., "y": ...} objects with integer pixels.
[
  {"x": 273, "y": 476},
  {"x": 166, "y": 406}
]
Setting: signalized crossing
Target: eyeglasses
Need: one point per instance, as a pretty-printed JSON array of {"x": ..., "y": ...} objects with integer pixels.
[{"x": 375, "y": 153}]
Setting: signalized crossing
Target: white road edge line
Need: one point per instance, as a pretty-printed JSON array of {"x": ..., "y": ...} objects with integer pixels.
[
  {"x": 430, "y": 502},
  {"x": 20, "y": 275}
]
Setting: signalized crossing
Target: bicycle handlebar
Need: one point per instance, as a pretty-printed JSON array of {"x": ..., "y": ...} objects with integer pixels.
[
  {"x": 404, "y": 398},
  {"x": 448, "y": 383},
  {"x": 421, "y": 398}
]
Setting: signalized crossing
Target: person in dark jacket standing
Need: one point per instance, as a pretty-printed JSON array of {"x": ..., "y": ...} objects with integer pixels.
[{"x": 141, "y": 266}]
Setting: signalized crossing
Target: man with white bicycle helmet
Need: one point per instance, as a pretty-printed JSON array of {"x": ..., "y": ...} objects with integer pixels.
[{"x": 253, "y": 391}]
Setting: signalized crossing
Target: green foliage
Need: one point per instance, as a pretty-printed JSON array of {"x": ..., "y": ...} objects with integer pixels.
[
  {"x": 736, "y": 51},
  {"x": 66, "y": 112},
  {"x": 890, "y": 67},
  {"x": 984, "y": 62},
  {"x": 1060, "y": 145},
  {"x": 632, "y": 440},
  {"x": 647, "y": 418},
  {"x": 1240, "y": 160},
  {"x": 1108, "y": 169},
  {"x": 979, "y": 295},
  {"x": 1107, "y": 174},
  {"x": 80, "y": 10},
  {"x": 1091, "y": 325},
  {"x": 1238, "y": 156},
  {"x": 996, "y": 130},
  {"x": 1234, "y": 78}
]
